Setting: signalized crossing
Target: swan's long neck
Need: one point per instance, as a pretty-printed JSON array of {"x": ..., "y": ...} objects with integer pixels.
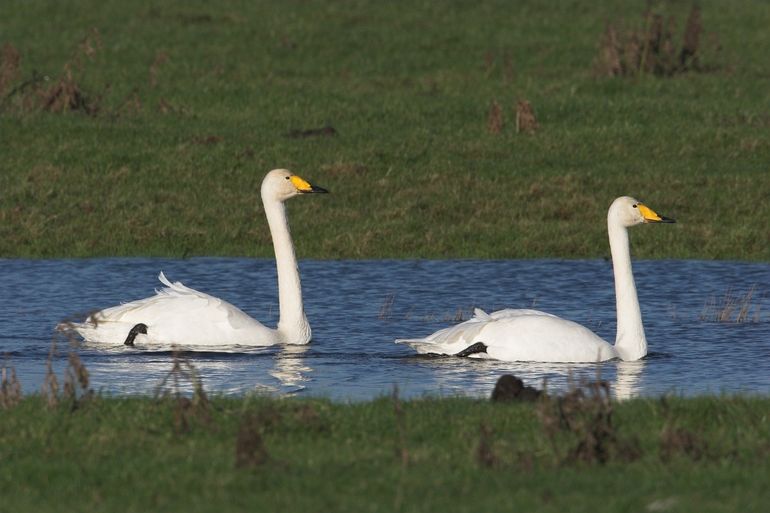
[
  {"x": 292, "y": 324},
  {"x": 630, "y": 342}
]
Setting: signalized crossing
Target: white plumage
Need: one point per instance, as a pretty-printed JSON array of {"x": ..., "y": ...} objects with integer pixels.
[
  {"x": 531, "y": 335},
  {"x": 177, "y": 314}
]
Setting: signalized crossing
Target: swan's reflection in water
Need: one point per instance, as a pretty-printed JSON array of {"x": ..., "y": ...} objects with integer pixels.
[
  {"x": 228, "y": 370},
  {"x": 628, "y": 379},
  {"x": 291, "y": 369},
  {"x": 477, "y": 378},
  {"x": 286, "y": 370}
]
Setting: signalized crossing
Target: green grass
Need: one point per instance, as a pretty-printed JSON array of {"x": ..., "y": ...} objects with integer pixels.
[
  {"x": 130, "y": 454},
  {"x": 413, "y": 169}
]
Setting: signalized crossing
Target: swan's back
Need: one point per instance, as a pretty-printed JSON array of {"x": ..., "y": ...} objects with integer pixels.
[
  {"x": 454, "y": 339},
  {"x": 177, "y": 314},
  {"x": 543, "y": 338},
  {"x": 518, "y": 335}
]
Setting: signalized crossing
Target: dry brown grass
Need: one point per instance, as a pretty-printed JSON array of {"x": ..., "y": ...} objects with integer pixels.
[
  {"x": 584, "y": 418},
  {"x": 161, "y": 58},
  {"x": 50, "y": 387},
  {"x": 402, "y": 452},
  {"x": 501, "y": 64},
  {"x": 10, "y": 388},
  {"x": 485, "y": 453},
  {"x": 76, "y": 389},
  {"x": 250, "y": 449},
  {"x": 386, "y": 309},
  {"x": 495, "y": 118},
  {"x": 10, "y": 61},
  {"x": 66, "y": 93},
  {"x": 186, "y": 410},
  {"x": 732, "y": 307},
  {"x": 62, "y": 94},
  {"x": 677, "y": 441},
  {"x": 525, "y": 118},
  {"x": 652, "y": 48}
]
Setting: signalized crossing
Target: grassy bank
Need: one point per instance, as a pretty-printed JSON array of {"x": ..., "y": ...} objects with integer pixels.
[
  {"x": 141, "y": 128},
  {"x": 140, "y": 454}
]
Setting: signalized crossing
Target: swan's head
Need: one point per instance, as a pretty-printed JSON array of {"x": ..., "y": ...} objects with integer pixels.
[
  {"x": 630, "y": 212},
  {"x": 282, "y": 184}
]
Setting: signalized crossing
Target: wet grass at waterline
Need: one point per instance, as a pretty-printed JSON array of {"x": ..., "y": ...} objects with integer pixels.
[
  {"x": 134, "y": 454},
  {"x": 72, "y": 448},
  {"x": 131, "y": 129}
]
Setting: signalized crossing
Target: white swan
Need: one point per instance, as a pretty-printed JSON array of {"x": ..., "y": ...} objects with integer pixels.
[
  {"x": 531, "y": 335},
  {"x": 180, "y": 315}
]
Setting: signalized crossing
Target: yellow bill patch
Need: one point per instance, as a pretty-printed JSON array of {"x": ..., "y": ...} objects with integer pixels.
[
  {"x": 301, "y": 184},
  {"x": 648, "y": 213}
]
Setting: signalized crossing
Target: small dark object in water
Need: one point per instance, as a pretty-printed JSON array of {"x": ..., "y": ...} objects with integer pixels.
[
  {"x": 326, "y": 131},
  {"x": 478, "y": 347},
  {"x": 511, "y": 388},
  {"x": 139, "y": 328}
]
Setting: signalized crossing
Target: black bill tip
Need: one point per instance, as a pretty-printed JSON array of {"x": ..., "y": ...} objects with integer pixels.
[{"x": 315, "y": 188}]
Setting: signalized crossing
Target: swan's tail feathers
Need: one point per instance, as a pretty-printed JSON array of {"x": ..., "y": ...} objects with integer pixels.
[
  {"x": 177, "y": 288},
  {"x": 171, "y": 286},
  {"x": 85, "y": 329},
  {"x": 421, "y": 345},
  {"x": 164, "y": 280},
  {"x": 481, "y": 315}
]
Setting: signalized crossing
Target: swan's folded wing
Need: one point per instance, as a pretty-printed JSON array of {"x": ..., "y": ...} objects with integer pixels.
[
  {"x": 456, "y": 338},
  {"x": 450, "y": 340},
  {"x": 176, "y": 313}
]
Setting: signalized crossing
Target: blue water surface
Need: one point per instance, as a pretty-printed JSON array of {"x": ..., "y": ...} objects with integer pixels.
[{"x": 357, "y": 308}]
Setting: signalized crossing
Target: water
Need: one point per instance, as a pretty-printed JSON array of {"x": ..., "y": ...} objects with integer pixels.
[{"x": 357, "y": 309}]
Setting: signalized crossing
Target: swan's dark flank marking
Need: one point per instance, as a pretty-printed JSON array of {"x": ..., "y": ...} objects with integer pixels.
[
  {"x": 139, "y": 328},
  {"x": 478, "y": 347}
]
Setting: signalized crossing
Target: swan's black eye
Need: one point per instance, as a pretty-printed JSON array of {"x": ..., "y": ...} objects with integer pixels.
[
  {"x": 290, "y": 177},
  {"x": 634, "y": 205}
]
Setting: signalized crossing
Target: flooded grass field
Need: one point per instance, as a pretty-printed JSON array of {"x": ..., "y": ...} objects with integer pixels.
[{"x": 708, "y": 324}]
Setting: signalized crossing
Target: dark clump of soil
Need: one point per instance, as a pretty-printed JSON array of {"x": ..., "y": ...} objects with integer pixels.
[
  {"x": 509, "y": 388},
  {"x": 207, "y": 140},
  {"x": 652, "y": 48},
  {"x": 325, "y": 131}
]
